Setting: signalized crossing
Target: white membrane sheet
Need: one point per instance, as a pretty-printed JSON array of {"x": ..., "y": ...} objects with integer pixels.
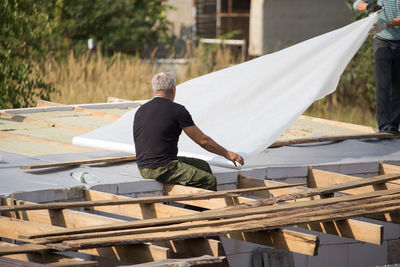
[{"x": 245, "y": 108}]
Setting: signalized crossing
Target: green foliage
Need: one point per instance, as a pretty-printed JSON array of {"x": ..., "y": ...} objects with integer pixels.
[
  {"x": 119, "y": 25},
  {"x": 357, "y": 85},
  {"x": 23, "y": 30}
]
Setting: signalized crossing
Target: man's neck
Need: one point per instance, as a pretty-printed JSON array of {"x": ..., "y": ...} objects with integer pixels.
[{"x": 163, "y": 96}]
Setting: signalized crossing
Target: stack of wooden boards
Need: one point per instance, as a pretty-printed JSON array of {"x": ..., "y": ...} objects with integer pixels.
[{"x": 161, "y": 231}]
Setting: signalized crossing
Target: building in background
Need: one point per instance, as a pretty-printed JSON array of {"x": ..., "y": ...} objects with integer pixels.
[{"x": 266, "y": 26}]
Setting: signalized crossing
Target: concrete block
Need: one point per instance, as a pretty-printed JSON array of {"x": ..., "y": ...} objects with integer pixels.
[
  {"x": 291, "y": 180},
  {"x": 51, "y": 195},
  {"x": 259, "y": 173},
  {"x": 330, "y": 256},
  {"x": 239, "y": 260},
  {"x": 38, "y": 196},
  {"x": 221, "y": 187},
  {"x": 393, "y": 251},
  {"x": 351, "y": 168},
  {"x": 285, "y": 172},
  {"x": 355, "y": 168},
  {"x": 364, "y": 254},
  {"x": 149, "y": 194},
  {"x": 233, "y": 246},
  {"x": 300, "y": 260},
  {"x": 225, "y": 175},
  {"x": 107, "y": 188},
  {"x": 139, "y": 186}
]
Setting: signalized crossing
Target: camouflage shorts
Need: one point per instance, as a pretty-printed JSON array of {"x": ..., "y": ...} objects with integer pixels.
[{"x": 184, "y": 171}]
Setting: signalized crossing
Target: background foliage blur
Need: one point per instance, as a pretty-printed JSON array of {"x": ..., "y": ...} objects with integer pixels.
[
  {"x": 34, "y": 31},
  {"x": 44, "y": 54}
]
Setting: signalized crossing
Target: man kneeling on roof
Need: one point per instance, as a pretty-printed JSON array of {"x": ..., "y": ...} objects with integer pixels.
[{"x": 156, "y": 130}]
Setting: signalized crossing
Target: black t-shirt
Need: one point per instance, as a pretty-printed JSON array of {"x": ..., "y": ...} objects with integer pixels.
[{"x": 156, "y": 130}]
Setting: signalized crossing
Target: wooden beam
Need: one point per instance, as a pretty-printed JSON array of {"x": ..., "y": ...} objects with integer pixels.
[
  {"x": 283, "y": 239},
  {"x": 351, "y": 126},
  {"x": 246, "y": 182},
  {"x": 45, "y": 141},
  {"x": 302, "y": 243},
  {"x": 26, "y": 248},
  {"x": 319, "y": 178},
  {"x": 24, "y": 119},
  {"x": 389, "y": 169},
  {"x": 36, "y": 219},
  {"x": 332, "y": 139},
  {"x": 138, "y": 211},
  {"x": 160, "y": 210},
  {"x": 157, "y": 210},
  {"x": 143, "y": 200},
  {"x": 355, "y": 229},
  {"x": 97, "y": 113},
  {"x": 43, "y": 103},
  {"x": 44, "y": 257},
  {"x": 236, "y": 212},
  {"x": 117, "y": 100},
  {"x": 80, "y": 162},
  {"x": 321, "y": 213}
]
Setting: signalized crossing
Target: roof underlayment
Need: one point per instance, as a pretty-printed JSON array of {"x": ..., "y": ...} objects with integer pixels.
[{"x": 43, "y": 135}]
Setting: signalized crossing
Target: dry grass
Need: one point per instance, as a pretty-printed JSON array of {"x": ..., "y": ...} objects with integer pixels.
[{"x": 93, "y": 78}]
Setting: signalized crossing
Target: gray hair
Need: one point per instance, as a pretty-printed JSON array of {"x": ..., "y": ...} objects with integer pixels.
[{"x": 163, "y": 81}]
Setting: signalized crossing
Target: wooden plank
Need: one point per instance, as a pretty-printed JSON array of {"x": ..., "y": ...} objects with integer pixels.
[
  {"x": 139, "y": 211},
  {"x": 73, "y": 219},
  {"x": 43, "y": 103},
  {"x": 75, "y": 263},
  {"x": 97, "y": 113},
  {"x": 7, "y": 262},
  {"x": 24, "y": 119},
  {"x": 332, "y": 139},
  {"x": 143, "y": 200},
  {"x": 219, "y": 214},
  {"x": 246, "y": 182},
  {"x": 43, "y": 257},
  {"x": 389, "y": 169},
  {"x": 80, "y": 162},
  {"x": 215, "y": 203},
  {"x": 316, "y": 214},
  {"x": 302, "y": 243},
  {"x": 355, "y": 229},
  {"x": 351, "y": 228},
  {"x": 319, "y": 178},
  {"x": 157, "y": 210},
  {"x": 351, "y": 126},
  {"x": 6, "y": 134},
  {"x": 111, "y": 99},
  {"x": 282, "y": 239},
  {"x": 26, "y": 248}
]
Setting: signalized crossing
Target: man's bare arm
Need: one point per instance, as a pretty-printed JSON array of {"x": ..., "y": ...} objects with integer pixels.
[{"x": 210, "y": 145}]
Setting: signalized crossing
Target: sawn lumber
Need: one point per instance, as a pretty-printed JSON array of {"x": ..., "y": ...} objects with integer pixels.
[
  {"x": 79, "y": 162},
  {"x": 215, "y": 214},
  {"x": 327, "y": 212},
  {"x": 143, "y": 200},
  {"x": 332, "y": 139}
]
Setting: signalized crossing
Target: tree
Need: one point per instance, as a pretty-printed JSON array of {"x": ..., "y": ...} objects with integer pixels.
[
  {"x": 120, "y": 25},
  {"x": 23, "y": 31}
]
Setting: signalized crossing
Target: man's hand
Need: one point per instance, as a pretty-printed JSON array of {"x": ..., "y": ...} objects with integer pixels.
[
  {"x": 373, "y": 8},
  {"x": 377, "y": 28},
  {"x": 232, "y": 156}
]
